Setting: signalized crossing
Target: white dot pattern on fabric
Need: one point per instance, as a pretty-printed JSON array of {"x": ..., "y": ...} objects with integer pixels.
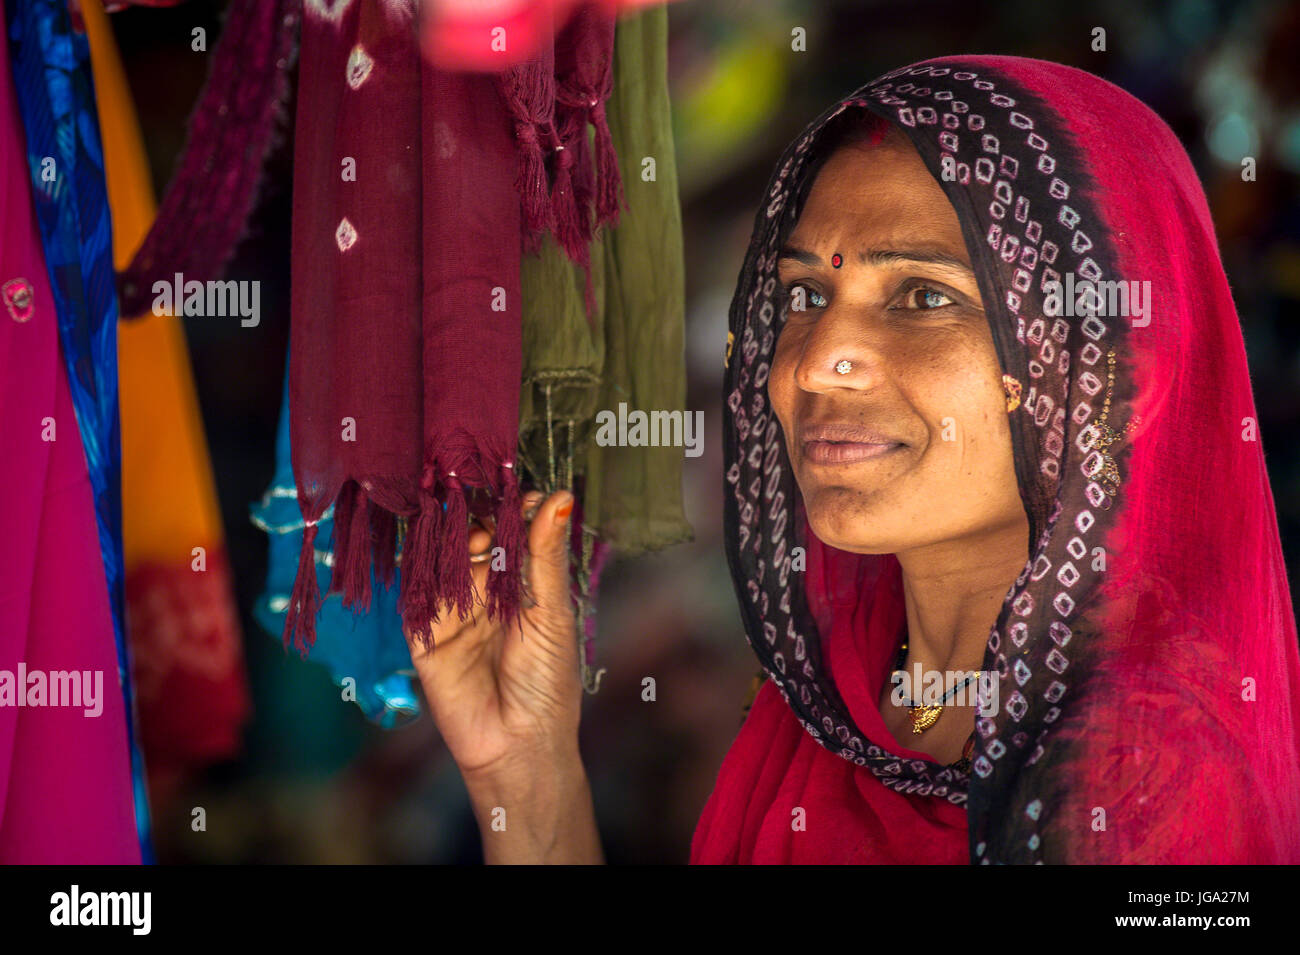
[
  {"x": 444, "y": 140},
  {"x": 329, "y": 10},
  {"x": 1024, "y": 185},
  {"x": 359, "y": 66},
  {"x": 345, "y": 235}
]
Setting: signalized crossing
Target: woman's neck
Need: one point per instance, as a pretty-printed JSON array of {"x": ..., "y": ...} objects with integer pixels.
[{"x": 954, "y": 591}]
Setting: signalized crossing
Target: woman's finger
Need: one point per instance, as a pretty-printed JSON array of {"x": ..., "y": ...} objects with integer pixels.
[
  {"x": 548, "y": 550},
  {"x": 479, "y": 539}
]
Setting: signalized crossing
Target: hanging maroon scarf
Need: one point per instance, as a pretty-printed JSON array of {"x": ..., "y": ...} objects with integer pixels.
[
  {"x": 584, "y": 79},
  {"x": 1149, "y": 679},
  {"x": 405, "y": 347},
  {"x": 416, "y": 190},
  {"x": 408, "y": 187},
  {"x": 204, "y": 211}
]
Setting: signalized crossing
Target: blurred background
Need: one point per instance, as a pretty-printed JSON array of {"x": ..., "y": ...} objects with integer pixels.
[{"x": 316, "y": 781}]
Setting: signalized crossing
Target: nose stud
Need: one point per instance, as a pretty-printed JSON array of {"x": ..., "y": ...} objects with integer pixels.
[{"x": 844, "y": 367}]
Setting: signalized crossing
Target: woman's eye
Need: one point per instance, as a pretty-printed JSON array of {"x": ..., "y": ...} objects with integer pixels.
[
  {"x": 924, "y": 298},
  {"x": 801, "y": 297}
]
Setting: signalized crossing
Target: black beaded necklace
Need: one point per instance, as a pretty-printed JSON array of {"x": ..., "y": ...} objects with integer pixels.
[{"x": 962, "y": 764}]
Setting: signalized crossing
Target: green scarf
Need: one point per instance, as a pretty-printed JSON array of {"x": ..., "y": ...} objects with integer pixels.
[
  {"x": 631, "y": 496},
  {"x": 632, "y": 351}
]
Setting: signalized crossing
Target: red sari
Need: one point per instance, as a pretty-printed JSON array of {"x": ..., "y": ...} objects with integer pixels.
[
  {"x": 1149, "y": 678},
  {"x": 775, "y": 767}
]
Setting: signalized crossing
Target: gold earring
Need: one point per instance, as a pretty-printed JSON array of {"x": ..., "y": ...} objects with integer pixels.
[{"x": 1012, "y": 388}]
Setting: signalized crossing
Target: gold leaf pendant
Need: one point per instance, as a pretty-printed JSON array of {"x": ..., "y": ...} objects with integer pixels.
[{"x": 923, "y": 717}]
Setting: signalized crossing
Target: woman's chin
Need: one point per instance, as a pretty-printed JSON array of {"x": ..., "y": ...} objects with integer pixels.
[{"x": 844, "y": 531}]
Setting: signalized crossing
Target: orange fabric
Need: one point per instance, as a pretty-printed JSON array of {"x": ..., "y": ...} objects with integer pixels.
[
  {"x": 182, "y": 620},
  {"x": 168, "y": 496}
]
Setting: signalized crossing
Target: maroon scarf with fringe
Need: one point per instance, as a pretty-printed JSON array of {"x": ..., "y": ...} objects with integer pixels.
[
  {"x": 552, "y": 97},
  {"x": 416, "y": 191}
]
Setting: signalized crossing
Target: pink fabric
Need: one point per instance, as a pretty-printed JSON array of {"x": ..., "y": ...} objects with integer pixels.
[
  {"x": 849, "y": 818},
  {"x": 458, "y": 34},
  {"x": 775, "y": 766},
  {"x": 1196, "y": 601},
  {"x": 65, "y": 785}
]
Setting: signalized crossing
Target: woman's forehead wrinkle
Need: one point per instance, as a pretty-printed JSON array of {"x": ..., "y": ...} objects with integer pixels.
[
  {"x": 882, "y": 208},
  {"x": 906, "y": 251},
  {"x": 882, "y": 238},
  {"x": 940, "y": 254},
  {"x": 894, "y": 210}
]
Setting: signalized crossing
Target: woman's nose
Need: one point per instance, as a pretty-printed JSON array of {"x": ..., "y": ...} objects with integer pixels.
[{"x": 839, "y": 352}]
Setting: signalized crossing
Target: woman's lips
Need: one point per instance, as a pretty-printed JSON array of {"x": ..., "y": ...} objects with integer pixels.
[{"x": 846, "y": 452}]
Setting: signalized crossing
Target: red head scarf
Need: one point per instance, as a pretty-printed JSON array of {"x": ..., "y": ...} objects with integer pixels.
[{"x": 1147, "y": 658}]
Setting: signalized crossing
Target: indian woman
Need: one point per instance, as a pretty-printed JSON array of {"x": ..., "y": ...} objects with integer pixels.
[{"x": 989, "y": 414}]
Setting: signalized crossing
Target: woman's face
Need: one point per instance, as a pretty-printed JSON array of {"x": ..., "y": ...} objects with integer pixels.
[{"x": 911, "y": 447}]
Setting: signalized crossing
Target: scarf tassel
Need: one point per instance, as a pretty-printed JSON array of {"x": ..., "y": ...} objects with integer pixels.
[
  {"x": 456, "y": 584},
  {"x": 609, "y": 199},
  {"x": 352, "y": 551},
  {"x": 529, "y": 93},
  {"x": 304, "y": 601},
  {"x": 420, "y": 570},
  {"x": 344, "y": 504},
  {"x": 503, "y": 585},
  {"x": 383, "y": 531},
  {"x": 569, "y": 216},
  {"x": 582, "y": 175},
  {"x": 531, "y": 183},
  {"x": 531, "y": 102}
]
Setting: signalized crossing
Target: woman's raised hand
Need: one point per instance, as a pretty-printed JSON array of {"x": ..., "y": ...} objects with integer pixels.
[{"x": 509, "y": 701}]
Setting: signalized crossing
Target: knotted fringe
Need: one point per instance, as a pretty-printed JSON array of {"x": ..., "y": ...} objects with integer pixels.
[
  {"x": 568, "y": 225},
  {"x": 417, "y": 601},
  {"x": 352, "y": 557},
  {"x": 584, "y": 80},
  {"x": 456, "y": 586},
  {"x": 571, "y": 200},
  {"x": 529, "y": 92},
  {"x": 304, "y": 601},
  {"x": 531, "y": 182},
  {"x": 383, "y": 531},
  {"x": 573, "y": 120},
  {"x": 344, "y": 504},
  {"x": 571, "y": 231},
  {"x": 503, "y": 598},
  {"x": 598, "y": 26},
  {"x": 436, "y": 570},
  {"x": 203, "y": 213},
  {"x": 609, "y": 199}
]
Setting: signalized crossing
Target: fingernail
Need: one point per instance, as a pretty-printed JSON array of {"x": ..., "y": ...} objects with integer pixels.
[{"x": 564, "y": 510}]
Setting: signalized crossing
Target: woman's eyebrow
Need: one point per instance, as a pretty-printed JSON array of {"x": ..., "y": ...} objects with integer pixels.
[{"x": 882, "y": 257}]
